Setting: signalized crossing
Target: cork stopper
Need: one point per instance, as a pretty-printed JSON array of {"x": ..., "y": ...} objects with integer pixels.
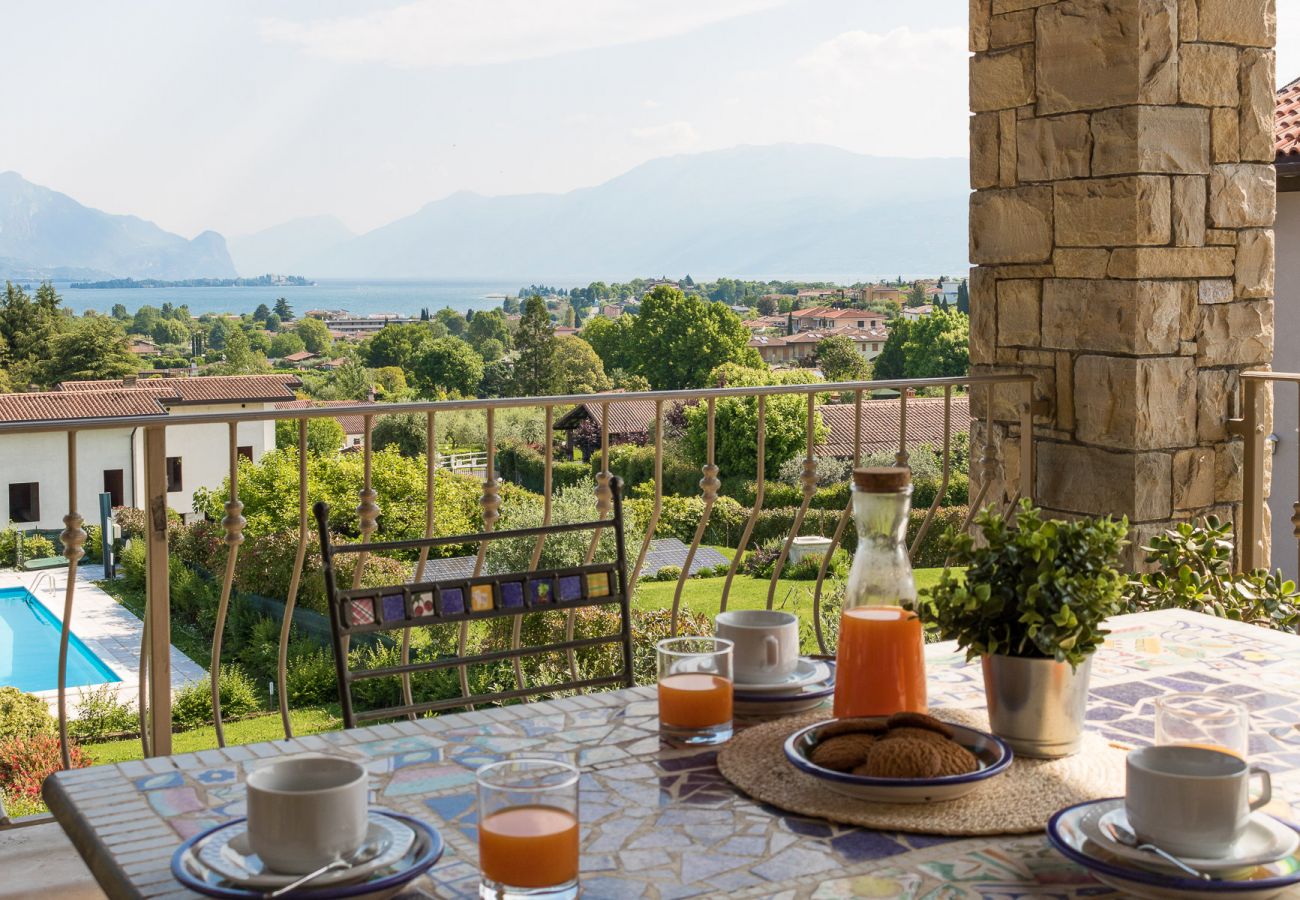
[{"x": 882, "y": 479}]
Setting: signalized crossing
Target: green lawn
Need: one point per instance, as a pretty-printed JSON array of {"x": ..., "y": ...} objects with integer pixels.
[{"x": 245, "y": 731}]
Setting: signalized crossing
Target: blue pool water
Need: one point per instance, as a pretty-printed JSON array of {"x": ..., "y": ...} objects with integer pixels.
[{"x": 29, "y": 647}]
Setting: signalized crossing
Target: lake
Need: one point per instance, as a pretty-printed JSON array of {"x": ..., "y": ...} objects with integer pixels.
[{"x": 401, "y": 297}]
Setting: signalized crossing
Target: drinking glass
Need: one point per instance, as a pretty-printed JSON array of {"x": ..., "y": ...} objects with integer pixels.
[
  {"x": 695, "y": 689},
  {"x": 1203, "y": 720},
  {"x": 528, "y": 829}
]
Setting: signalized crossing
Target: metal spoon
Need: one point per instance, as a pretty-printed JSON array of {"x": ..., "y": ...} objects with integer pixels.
[
  {"x": 362, "y": 854},
  {"x": 1121, "y": 835}
]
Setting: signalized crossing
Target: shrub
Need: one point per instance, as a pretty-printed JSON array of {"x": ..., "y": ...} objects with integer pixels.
[
  {"x": 102, "y": 715},
  {"x": 310, "y": 679},
  {"x": 761, "y": 559},
  {"x": 23, "y": 715},
  {"x": 131, "y": 564},
  {"x": 192, "y": 705},
  {"x": 573, "y": 503},
  {"x": 1195, "y": 572},
  {"x": 668, "y": 573},
  {"x": 25, "y": 763},
  {"x": 809, "y": 566},
  {"x": 526, "y": 466}
]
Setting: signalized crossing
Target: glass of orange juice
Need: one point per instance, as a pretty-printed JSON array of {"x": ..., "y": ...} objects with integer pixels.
[
  {"x": 528, "y": 829},
  {"x": 695, "y": 689},
  {"x": 1212, "y": 721}
]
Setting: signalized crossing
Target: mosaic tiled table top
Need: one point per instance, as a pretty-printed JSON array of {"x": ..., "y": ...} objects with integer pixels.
[{"x": 658, "y": 820}]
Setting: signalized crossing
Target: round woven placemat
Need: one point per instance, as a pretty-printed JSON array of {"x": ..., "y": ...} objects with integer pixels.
[{"x": 1019, "y": 801}]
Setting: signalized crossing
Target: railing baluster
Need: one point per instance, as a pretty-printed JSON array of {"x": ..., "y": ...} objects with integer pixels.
[
  {"x": 142, "y": 702},
  {"x": 157, "y": 590},
  {"x": 840, "y": 526},
  {"x": 947, "y": 469},
  {"x": 547, "y": 470},
  {"x": 491, "y": 505},
  {"x": 368, "y": 507},
  {"x": 299, "y": 559},
  {"x": 658, "y": 506},
  {"x": 988, "y": 465},
  {"x": 902, "y": 456},
  {"x": 430, "y": 491},
  {"x": 709, "y": 485},
  {"x": 73, "y": 539},
  {"x": 233, "y": 523},
  {"x": 760, "y": 493},
  {"x": 604, "y": 504},
  {"x": 809, "y": 481}
]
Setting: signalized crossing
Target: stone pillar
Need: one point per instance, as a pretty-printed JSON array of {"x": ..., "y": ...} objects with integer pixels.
[{"x": 1122, "y": 243}]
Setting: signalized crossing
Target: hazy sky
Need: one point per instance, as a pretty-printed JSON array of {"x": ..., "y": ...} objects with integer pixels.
[{"x": 239, "y": 115}]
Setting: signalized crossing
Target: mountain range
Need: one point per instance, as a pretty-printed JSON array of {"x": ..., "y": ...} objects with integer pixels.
[{"x": 782, "y": 210}]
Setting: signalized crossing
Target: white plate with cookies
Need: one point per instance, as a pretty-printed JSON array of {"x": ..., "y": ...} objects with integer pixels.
[{"x": 904, "y": 758}]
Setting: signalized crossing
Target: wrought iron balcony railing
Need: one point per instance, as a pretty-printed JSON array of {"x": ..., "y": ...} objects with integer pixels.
[{"x": 1014, "y": 398}]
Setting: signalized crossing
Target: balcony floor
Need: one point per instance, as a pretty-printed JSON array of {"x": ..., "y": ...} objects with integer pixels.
[{"x": 40, "y": 861}]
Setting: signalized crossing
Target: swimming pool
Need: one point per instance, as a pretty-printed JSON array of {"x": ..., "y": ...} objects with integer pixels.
[{"x": 29, "y": 647}]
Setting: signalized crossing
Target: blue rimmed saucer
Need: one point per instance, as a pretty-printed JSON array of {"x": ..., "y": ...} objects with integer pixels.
[
  {"x": 992, "y": 753},
  {"x": 422, "y": 852},
  {"x": 1068, "y": 832},
  {"x": 806, "y": 696}
]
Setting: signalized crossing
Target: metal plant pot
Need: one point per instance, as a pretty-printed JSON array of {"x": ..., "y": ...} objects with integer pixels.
[{"x": 1037, "y": 705}]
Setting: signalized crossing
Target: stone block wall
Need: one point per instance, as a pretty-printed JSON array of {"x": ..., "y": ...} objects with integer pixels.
[{"x": 1122, "y": 243}]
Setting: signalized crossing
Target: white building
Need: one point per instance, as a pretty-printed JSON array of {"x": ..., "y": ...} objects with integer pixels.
[{"x": 34, "y": 467}]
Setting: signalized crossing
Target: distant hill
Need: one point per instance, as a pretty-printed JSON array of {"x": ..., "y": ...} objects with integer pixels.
[
  {"x": 45, "y": 234},
  {"x": 781, "y": 210},
  {"x": 282, "y": 248}
]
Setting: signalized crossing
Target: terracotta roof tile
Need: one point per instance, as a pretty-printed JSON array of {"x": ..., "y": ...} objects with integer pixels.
[
  {"x": 625, "y": 416},
  {"x": 1287, "y": 130},
  {"x": 352, "y": 423},
  {"x": 201, "y": 388},
  {"x": 47, "y": 406},
  {"x": 880, "y": 424}
]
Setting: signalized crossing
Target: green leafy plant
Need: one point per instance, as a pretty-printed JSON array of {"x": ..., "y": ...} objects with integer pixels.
[
  {"x": 101, "y": 715},
  {"x": 1032, "y": 587},
  {"x": 1194, "y": 571},
  {"x": 192, "y": 705},
  {"x": 23, "y": 715}
]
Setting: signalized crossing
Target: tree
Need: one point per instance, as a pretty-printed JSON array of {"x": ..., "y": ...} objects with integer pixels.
[
  {"x": 396, "y": 345},
  {"x": 839, "y": 359},
  {"x": 498, "y": 378},
  {"x": 324, "y": 435},
  {"x": 767, "y": 306},
  {"x": 612, "y": 341},
  {"x": 262, "y": 311},
  {"x": 285, "y": 344},
  {"x": 676, "y": 340},
  {"x": 351, "y": 382},
  {"x": 28, "y": 324},
  {"x": 407, "y": 432},
  {"x": 510, "y": 306},
  {"x": 736, "y": 426},
  {"x": 217, "y": 334},
  {"x": 170, "y": 331},
  {"x": 489, "y": 325},
  {"x": 272, "y": 322},
  {"x": 578, "y": 369},
  {"x": 916, "y": 296},
  {"x": 119, "y": 312},
  {"x": 963, "y": 298},
  {"x": 448, "y": 364},
  {"x": 283, "y": 309},
  {"x": 535, "y": 340},
  {"x": 455, "y": 323},
  {"x": 239, "y": 356},
  {"x": 490, "y": 349},
  {"x": 315, "y": 335},
  {"x": 390, "y": 381},
  {"x": 146, "y": 317},
  {"x": 92, "y": 349},
  {"x": 933, "y": 346}
]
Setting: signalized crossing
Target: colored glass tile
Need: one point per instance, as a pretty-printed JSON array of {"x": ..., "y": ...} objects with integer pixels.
[
  {"x": 422, "y": 605},
  {"x": 569, "y": 589},
  {"x": 361, "y": 611},
  {"x": 541, "y": 591},
  {"x": 453, "y": 600},
  {"x": 394, "y": 606},
  {"x": 512, "y": 594},
  {"x": 597, "y": 584},
  {"x": 480, "y": 597}
]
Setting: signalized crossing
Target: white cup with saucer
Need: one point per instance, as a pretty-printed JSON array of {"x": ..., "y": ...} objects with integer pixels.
[
  {"x": 1191, "y": 801},
  {"x": 766, "y": 644},
  {"x": 306, "y": 811}
]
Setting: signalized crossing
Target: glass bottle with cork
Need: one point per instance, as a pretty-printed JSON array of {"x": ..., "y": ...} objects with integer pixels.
[{"x": 880, "y": 661}]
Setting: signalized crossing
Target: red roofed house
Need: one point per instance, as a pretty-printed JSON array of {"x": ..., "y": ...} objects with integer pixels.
[
  {"x": 300, "y": 359},
  {"x": 34, "y": 477},
  {"x": 1286, "y": 312},
  {"x": 795, "y": 348},
  {"x": 880, "y": 424},
  {"x": 824, "y": 317}
]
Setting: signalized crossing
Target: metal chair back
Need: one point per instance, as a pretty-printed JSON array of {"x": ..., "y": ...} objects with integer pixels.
[{"x": 461, "y": 602}]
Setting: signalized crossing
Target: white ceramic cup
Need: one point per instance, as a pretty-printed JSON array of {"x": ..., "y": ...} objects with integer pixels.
[
  {"x": 1191, "y": 801},
  {"x": 306, "y": 811},
  {"x": 766, "y": 644}
]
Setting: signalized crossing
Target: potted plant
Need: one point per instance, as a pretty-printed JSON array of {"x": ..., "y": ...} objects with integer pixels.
[{"x": 1030, "y": 605}]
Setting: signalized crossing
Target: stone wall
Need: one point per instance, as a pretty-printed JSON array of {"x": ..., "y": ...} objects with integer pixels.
[{"x": 1122, "y": 242}]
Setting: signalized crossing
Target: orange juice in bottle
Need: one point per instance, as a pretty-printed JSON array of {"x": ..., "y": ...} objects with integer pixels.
[{"x": 880, "y": 661}]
